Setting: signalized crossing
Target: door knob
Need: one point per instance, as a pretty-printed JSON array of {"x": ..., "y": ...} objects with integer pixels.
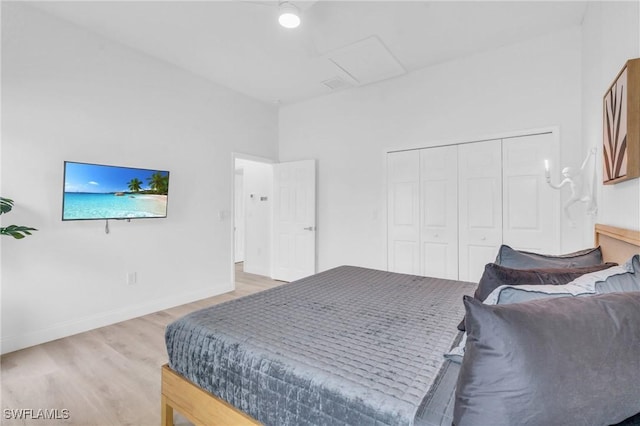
[
  {"x": 483, "y": 238},
  {"x": 309, "y": 228}
]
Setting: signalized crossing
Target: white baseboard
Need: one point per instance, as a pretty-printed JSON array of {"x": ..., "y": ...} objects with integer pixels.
[{"x": 68, "y": 328}]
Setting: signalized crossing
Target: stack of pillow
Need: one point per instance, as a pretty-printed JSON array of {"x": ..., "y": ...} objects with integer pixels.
[
  {"x": 515, "y": 268},
  {"x": 556, "y": 341}
]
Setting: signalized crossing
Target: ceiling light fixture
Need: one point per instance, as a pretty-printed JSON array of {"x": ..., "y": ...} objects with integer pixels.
[{"x": 288, "y": 15}]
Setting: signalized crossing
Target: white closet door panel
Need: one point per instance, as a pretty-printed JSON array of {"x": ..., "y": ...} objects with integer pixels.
[
  {"x": 434, "y": 196},
  {"x": 478, "y": 255},
  {"x": 404, "y": 196},
  {"x": 403, "y": 227},
  {"x": 531, "y": 208},
  {"x": 404, "y": 257},
  {"x": 480, "y": 206},
  {"x": 439, "y": 212},
  {"x": 436, "y": 259},
  {"x": 482, "y": 195}
]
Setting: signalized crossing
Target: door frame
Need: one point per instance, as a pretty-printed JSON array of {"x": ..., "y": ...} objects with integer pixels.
[
  {"x": 239, "y": 176},
  {"x": 239, "y": 156}
]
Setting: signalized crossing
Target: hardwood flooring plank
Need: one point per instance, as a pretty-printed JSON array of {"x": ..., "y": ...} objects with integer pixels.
[{"x": 107, "y": 376}]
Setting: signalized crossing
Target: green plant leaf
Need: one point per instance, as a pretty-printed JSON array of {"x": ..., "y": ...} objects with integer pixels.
[
  {"x": 17, "y": 231},
  {"x": 6, "y": 205}
]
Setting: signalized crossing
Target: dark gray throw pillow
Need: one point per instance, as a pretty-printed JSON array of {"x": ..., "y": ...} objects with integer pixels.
[
  {"x": 562, "y": 361},
  {"x": 517, "y": 259},
  {"x": 495, "y": 275}
]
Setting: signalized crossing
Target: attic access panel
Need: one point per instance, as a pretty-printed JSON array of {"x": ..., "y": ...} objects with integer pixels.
[{"x": 367, "y": 61}]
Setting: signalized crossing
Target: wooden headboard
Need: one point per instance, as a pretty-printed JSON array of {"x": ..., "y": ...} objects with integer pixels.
[{"x": 618, "y": 244}]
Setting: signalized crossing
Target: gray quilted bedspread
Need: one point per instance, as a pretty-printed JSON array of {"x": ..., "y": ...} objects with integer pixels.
[{"x": 349, "y": 346}]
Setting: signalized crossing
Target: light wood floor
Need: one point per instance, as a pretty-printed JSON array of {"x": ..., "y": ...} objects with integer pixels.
[{"x": 107, "y": 376}]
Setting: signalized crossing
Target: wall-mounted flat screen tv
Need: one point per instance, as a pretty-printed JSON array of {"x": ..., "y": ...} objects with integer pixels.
[{"x": 95, "y": 191}]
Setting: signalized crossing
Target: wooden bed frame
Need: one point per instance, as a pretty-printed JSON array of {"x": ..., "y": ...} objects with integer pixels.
[
  {"x": 617, "y": 244},
  {"x": 196, "y": 404},
  {"x": 204, "y": 409}
]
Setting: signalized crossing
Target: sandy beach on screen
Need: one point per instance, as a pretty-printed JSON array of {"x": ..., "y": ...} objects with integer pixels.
[{"x": 152, "y": 203}]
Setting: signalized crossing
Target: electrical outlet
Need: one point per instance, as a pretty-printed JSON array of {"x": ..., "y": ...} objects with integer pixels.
[{"x": 132, "y": 278}]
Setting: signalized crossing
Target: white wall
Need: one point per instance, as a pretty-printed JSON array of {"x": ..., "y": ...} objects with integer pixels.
[
  {"x": 529, "y": 85},
  {"x": 68, "y": 94},
  {"x": 258, "y": 183},
  {"x": 238, "y": 214},
  {"x": 611, "y": 36}
]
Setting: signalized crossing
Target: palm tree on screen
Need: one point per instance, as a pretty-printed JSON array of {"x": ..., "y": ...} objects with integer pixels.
[
  {"x": 135, "y": 185},
  {"x": 159, "y": 183}
]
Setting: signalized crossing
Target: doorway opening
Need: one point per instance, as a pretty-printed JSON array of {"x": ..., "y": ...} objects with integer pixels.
[
  {"x": 252, "y": 216},
  {"x": 274, "y": 218}
]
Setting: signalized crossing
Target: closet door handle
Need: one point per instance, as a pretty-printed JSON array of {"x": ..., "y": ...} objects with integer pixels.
[{"x": 483, "y": 238}]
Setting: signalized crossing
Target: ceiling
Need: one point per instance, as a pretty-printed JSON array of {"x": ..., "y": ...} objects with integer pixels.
[{"x": 340, "y": 44}]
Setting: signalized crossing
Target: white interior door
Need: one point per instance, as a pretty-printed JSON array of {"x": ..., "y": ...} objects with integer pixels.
[
  {"x": 294, "y": 220},
  {"x": 403, "y": 227},
  {"x": 480, "y": 206},
  {"x": 531, "y": 207},
  {"x": 439, "y": 212}
]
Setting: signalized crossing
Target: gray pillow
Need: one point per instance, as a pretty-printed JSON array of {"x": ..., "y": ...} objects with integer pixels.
[
  {"x": 622, "y": 282},
  {"x": 562, "y": 361},
  {"x": 527, "y": 293},
  {"x": 517, "y": 259},
  {"x": 495, "y": 276},
  {"x": 619, "y": 279}
]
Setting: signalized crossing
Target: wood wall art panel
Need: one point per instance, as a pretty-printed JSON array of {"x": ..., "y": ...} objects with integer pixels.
[{"x": 621, "y": 126}]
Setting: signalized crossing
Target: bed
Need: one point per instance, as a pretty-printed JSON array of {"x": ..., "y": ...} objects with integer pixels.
[{"x": 326, "y": 350}]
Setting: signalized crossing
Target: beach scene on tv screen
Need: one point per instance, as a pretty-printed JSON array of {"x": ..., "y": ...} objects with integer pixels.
[{"x": 94, "y": 191}]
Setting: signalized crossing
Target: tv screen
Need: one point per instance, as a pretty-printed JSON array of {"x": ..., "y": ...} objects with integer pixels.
[{"x": 94, "y": 191}]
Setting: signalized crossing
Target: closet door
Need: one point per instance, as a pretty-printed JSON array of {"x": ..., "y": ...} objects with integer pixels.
[
  {"x": 403, "y": 177},
  {"x": 439, "y": 212},
  {"x": 480, "y": 206},
  {"x": 531, "y": 207}
]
